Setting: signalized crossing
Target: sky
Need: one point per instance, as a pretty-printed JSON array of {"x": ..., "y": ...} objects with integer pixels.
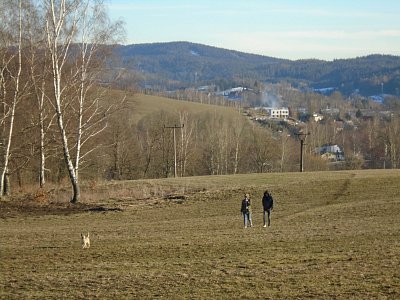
[{"x": 302, "y": 29}]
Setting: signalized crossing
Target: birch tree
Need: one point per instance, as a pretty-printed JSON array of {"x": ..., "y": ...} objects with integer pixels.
[
  {"x": 238, "y": 130},
  {"x": 211, "y": 143},
  {"x": 95, "y": 32},
  {"x": 61, "y": 27},
  {"x": 38, "y": 70},
  {"x": 10, "y": 75},
  {"x": 393, "y": 132},
  {"x": 75, "y": 32},
  {"x": 186, "y": 140}
]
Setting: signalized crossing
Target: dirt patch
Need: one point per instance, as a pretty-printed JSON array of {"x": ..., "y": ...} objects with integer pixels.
[
  {"x": 14, "y": 207},
  {"x": 104, "y": 209},
  {"x": 40, "y": 204}
]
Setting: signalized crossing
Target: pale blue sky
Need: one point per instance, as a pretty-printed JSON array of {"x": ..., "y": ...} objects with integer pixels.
[{"x": 324, "y": 29}]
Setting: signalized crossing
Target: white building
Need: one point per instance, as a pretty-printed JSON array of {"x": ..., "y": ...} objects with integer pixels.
[
  {"x": 331, "y": 152},
  {"x": 278, "y": 112},
  {"x": 317, "y": 117}
]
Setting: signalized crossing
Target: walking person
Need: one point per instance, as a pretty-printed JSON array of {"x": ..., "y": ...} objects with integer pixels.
[
  {"x": 246, "y": 211},
  {"x": 268, "y": 205}
]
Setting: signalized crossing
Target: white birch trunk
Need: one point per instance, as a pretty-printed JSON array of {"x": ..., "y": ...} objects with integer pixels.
[
  {"x": 186, "y": 135},
  {"x": 40, "y": 89},
  {"x": 58, "y": 55},
  {"x": 4, "y": 180},
  {"x": 65, "y": 22}
]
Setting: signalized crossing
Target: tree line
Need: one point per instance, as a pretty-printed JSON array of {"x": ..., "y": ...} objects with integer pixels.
[{"x": 206, "y": 144}]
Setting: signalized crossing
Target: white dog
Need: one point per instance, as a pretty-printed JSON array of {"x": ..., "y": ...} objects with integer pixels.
[{"x": 85, "y": 241}]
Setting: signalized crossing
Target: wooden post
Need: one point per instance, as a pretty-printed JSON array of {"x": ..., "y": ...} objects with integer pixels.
[{"x": 302, "y": 137}]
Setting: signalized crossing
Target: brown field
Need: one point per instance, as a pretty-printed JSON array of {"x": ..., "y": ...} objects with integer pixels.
[
  {"x": 334, "y": 235},
  {"x": 141, "y": 105}
]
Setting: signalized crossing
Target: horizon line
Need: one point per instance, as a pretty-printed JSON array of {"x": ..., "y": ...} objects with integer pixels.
[{"x": 264, "y": 55}]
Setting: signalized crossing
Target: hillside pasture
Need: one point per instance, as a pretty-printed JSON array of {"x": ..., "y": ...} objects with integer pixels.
[
  {"x": 140, "y": 105},
  {"x": 334, "y": 235}
]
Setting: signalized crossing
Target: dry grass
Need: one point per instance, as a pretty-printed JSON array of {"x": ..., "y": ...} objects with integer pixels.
[
  {"x": 334, "y": 235},
  {"x": 141, "y": 105}
]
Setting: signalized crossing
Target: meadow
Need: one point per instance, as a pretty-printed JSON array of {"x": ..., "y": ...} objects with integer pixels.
[
  {"x": 139, "y": 105},
  {"x": 334, "y": 235}
]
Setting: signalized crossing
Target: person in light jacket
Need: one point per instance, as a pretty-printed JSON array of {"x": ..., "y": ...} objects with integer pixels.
[{"x": 246, "y": 211}]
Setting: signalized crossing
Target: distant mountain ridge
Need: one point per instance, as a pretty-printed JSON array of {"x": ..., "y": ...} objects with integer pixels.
[{"x": 182, "y": 64}]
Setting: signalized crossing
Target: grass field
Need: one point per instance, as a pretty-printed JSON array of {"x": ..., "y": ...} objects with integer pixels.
[
  {"x": 141, "y": 105},
  {"x": 334, "y": 235}
]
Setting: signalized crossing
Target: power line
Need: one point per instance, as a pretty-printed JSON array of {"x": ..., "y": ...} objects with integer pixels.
[{"x": 302, "y": 136}]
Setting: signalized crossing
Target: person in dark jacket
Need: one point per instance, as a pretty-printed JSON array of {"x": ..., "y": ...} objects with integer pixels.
[
  {"x": 268, "y": 205},
  {"x": 246, "y": 211}
]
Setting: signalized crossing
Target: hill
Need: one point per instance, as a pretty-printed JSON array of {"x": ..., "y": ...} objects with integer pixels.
[
  {"x": 333, "y": 235},
  {"x": 142, "y": 105},
  {"x": 181, "y": 64}
]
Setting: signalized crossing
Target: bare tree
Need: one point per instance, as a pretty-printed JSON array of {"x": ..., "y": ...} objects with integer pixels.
[
  {"x": 10, "y": 75},
  {"x": 95, "y": 32},
  {"x": 285, "y": 149},
  {"x": 211, "y": 143},
  {"x": 83, "y": 22},
  {"x": 150, "y": 140},
  {"x": 38, "y": 69},
  {"x": 393, "y": 132},
  {"x": 186, "y": 139},
  {"x": 155, "y": 145},
  {"x": 61, "y": 27},
  {"x": 262, "y": 150},
  {"x": 238, "y": 130}
]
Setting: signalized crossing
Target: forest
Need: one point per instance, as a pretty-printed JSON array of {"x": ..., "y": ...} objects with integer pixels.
[
  {"x": 178, "y": 65},
  {"x": 62, "y": 122}
]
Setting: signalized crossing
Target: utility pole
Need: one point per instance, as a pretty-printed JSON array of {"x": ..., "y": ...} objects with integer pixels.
[
  {"x": 302, "y": 136},
  {"x": 174, "y": 128}
]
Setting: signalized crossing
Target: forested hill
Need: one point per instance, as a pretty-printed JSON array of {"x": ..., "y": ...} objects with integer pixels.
[{"x": 183, "y": 64}]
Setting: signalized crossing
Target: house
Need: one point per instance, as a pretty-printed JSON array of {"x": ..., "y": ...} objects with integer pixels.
[
  {"x": 278, "y": 112},
  {"x": 331, "y": 152},
  {"x": 317, "y": 117},
  {"x": 330, "y": 111}
]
